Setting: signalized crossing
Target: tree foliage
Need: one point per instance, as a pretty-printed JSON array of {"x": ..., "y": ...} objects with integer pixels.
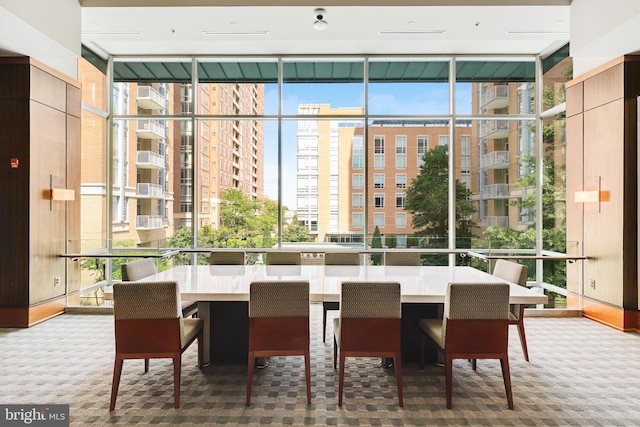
[
  {"x": 376, "y": 243},
  {"x": 428, "y": 201}
]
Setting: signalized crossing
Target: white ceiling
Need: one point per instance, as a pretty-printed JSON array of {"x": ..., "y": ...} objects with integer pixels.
[{"x": 523, "y": 29}]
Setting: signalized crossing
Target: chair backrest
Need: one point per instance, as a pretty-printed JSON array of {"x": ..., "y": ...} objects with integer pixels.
[
  {"x": 402, "y": 258},
  {"x": 341, "y": 258},
  {"x": 284, "y": 258},
  {"x": 226, "y": 258},
  {"x": 146, "y": 300},
  {"x": 477, "y": 305},
  {"x": 367, "y": 300},
  {"x": 511, "y": 271},
  {"x": 136, "y": 270},
  {"x": 279, "y": 298}
]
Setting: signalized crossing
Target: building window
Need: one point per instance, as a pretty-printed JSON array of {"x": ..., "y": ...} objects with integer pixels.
[
  {"x": 356, "y": 220},
  {"x": 401, "y": 180},
  {"x": 357, "y": 181},
  {"x": 378, "y": 180},
  {"x": 401, "y": 152},
  {"x": 401, "y": 220},
  {"x": 423, "y": 146},
  {"x": 357, "y": 200},
  {"x": 378, "y": 219},
  {"x": 378, "y": 200},
  {"x": 400, "y": 200},
  {"x": 378, "y": 152},
  {"x": 401, "y": 240},
  {"x": 357, "y": 153},
  {"x": 443, "y": 140}
]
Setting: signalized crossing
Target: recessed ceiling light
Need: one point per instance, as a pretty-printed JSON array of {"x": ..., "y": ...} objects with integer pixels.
[
  {"x": 383, "y": 33},
  {"x": 536, "y": 32},
  {"x": 236, "y": 33}
]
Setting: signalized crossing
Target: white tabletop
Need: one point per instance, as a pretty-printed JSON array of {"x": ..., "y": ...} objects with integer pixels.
[{"x": 425, "y": 284}]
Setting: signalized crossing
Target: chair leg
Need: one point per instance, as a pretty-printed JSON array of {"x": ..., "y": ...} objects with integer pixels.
[
  {"x": 324, "y": 323},
  {"x": 177, "y": 365},
  {"x": 115, "y": 383},
  {"x": 523, "y": 337},
  {"x": 474, "y": 364},
  {"x": 307, "y": 372},
  {"x": 146, "y": 365},
  {"x": 335, "y": 352},
  {"x": 448, "y": 377},
  {"x": 398, "y": 364},
  {"x": 250, "y": 363},
  {"x": 506, "y": 376},
  {"x": 423, "y": 349},
  {"x": 341, "y": 379}
]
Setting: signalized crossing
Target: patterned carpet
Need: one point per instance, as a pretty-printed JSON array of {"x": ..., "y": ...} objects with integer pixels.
[{"x": 581, "y": 374}]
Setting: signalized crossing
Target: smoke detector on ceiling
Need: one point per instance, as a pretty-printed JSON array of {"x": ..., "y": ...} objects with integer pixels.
[{"x": 319, "y": 15}]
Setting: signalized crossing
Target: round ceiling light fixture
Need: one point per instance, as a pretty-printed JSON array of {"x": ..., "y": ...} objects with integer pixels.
[{"x": 319, "y": 15}]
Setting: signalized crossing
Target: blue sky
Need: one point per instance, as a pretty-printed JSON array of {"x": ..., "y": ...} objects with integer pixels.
[{"x": 384, "y": 99}]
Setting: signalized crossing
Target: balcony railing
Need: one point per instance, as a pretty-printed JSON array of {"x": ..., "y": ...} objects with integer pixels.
[
  {"x": 150, "y": 129},
  {"x": 494, "y": 129},
  {"x": 497, "y": 97},
  {"x": 500, "y": 221},
  {"x": 149, "y": 160},
  {"x": 495, "y": 191},
  {"x": 148, "y": 222},
  {"x": 495, "y": 160},
  {"x": 152, "y": 191},
  {"x": 150, "y": 99}
]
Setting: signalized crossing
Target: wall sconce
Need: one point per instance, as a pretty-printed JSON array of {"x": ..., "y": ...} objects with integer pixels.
[
  {"x": 592, "y": 192},
  {"x": 58, "y": 194}
]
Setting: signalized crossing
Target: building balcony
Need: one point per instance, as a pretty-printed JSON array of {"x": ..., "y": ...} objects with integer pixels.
[
  {"x": 150, "y": 99},
  {"x": 494, "y": 129},
  {"x": 150, "y": 129},
  {"x": 496, "y": 98},
  {"x": 149, "y": 160},
  {"x": 495, "y": 191},
  {"x": 148, "y": 222},
  {"x": 500, "y": 221},
  {"x": 495, "y": 160},
  {"x": 149, "y": 191}
]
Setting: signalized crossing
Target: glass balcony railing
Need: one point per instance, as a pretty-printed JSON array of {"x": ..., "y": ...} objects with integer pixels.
[
  {"x": 152, "y": 191},
  {"x": 495, "y": 191},
  {"x": 495, "y": 160},
  {"x": 494, "y": 129},
  {"x": 149, "y": 98},
  {"x": 150, "y": 129},
  {"x": 149, "y": 160},
  {"x": 495, "y": 98},
  {"x": 148, "y": 222}
]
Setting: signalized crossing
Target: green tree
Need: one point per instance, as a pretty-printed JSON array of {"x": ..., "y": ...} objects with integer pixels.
[
  {"x": 376, "y": 243},
  {"x": 428, "y": 202}
]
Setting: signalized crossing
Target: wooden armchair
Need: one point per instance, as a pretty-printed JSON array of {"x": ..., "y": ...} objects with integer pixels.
[
  {"x": 137, "y": 270},
  {"x": 149, "y": 325},
  {"x": 515, "y": 273},
  {"x": 475, "y": 326},
  {"x": 278, "y": 324},
  {"x": 336, "y": 258},
  {"x": 368, "y": 326}
]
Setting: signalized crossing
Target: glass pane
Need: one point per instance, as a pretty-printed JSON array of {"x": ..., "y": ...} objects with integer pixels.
[
  {"x": 243, "y": 88},
  {"x": 408, "y": 88},
  {"x": 328, "y": 87},
  {"x": 495, "y": 87},
  {"x": 502, "y": 183},
  {"x": 318, "y": 179},
  {"x": 151, "y": 88}
]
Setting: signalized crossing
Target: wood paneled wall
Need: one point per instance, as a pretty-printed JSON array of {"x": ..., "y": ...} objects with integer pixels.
[
  {"x": 602, "y": 146},
  {"x": 40, "y": 127}
]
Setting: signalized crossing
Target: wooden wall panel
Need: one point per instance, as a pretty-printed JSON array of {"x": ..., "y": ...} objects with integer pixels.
[
  {"x": 574, "y": 99},
  {"x": 604, "y": 87},
  {"x": 48, "y": 89},
  {"x": 73, "y": 162},
  {"x": 47, "y": 219},
  {"x": 14, "y": 200},
  {"x": 14, "y": 80},
  {"x": 603, "y": 230},
  {"x": 575, "y": 211}
]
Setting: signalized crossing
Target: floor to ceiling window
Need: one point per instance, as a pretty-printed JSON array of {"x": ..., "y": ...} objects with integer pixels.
[{"x": 366, "y": 152}]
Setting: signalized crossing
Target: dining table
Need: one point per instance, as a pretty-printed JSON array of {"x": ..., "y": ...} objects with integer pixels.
[{"x": 222, "y": 292}]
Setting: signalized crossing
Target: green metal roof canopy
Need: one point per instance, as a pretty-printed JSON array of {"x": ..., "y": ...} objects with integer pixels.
[{"x": 178, "y": 71}]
